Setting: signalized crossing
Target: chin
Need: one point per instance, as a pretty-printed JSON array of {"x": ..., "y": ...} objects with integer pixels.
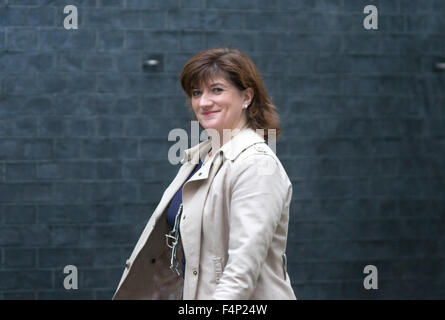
[{"x": 209, "y": 125}]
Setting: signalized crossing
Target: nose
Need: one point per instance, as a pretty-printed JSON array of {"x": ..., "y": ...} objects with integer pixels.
[{"x": 205, "y": 100}]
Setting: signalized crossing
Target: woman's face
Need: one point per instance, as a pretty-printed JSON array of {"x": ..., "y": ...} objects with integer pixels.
[{"x": 219, "y": 105}]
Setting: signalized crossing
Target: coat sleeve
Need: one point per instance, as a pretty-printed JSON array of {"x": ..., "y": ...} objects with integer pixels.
[{"x": 258, "y": 196}]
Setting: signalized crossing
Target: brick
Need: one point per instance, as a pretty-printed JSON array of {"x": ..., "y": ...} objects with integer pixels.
[
  {"x": 164, "y": 106},
  {"x": 20, "y": 172},
  {"x": 263, "y": 21},
  {"x": 385, "y": 65},
  {"x": 382, "y": 6},
  {"x": 154, "y": 190},
  {"x": 109, "y": 127},
  {"x": 67, "y": 148},
  {"x": 21, "y": 38},
  {"x": 38, "y": 105},
  {"x": 65, "y": 214},
  {"x": 183, "y": 20},
  {"x": 25, "y": 192},
  {"x": 100, "y": 278},
  {"x": 268, "y": 4},
  {"x": 155, "y": 41},
  {"x": 227, "y": 4},
  {"x": 116, "y": 148},
  {"x": 119, "y": 192},
  {"x": 104, "y": 294},
  {"x": 26, "y": 279},
  {"x": 21, "y": 126},
  {"x": 62, "y": 236},
  {"x": 139, "y": 169},
  {"x": 191, "y": 41},
  {"x": 110, "y": 235},
  {"x": 25, "y": 235},
  {"x": 10, "y": 60},
  {"x": 154, "y": 19},
  {"x": 145, "y": 126},
  {"x": 82, "y": 104},
  {"x": 52, "y": 127},
  {"x": 108, "y": 213},
  {"x": 235, "y": 39},
  {"x": 136, "y": 213},
  {"x": 98, "y": 63},
  {"x": 20, "y": 258},
  {"x": 109, "y": 170},
  {"x": 19, "y": 295},
  {"x": 19, "y": 214},
  {"x": 60, "y": 257},
  {"x": 408, "y": 7},
  {"x": 65, "y": 84},
  {"x": 128, "y": 62},
  {"x": 67, "y": 171},
  {"x": 141, "y": 4},
  {"x": 111, "y": 39},
  {"x": 37, "y": 149},
  {"x": 72, "y": 192},
  {"x": 81, "y": 127},
  {"x": 111, "y": 3},
  {"x": 193, "y": 4},
  {"x": 77, "y": 3},
  {"x": 161, "y": 4},
  {"x": 61, "y": 39},
  {"x": 361, "y": 85},
  {"x": 314, "y": 43},
  {"x": 21, "y": 85},
  {"x": 68, "y": 61},
  {"x": 107, "y": 257},
  {"x": 128, "y": 105},
  {"x": 20, "y": 16},
  {"x": 161, "y": 147},
  {"x": 111, "y": 83}
]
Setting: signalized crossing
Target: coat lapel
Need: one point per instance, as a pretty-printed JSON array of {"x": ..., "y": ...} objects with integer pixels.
[{"x": 178, "y": 181}]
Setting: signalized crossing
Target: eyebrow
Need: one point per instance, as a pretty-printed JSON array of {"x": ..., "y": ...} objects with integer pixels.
[
  {"x": 212, "y": 85},
  {"x": 218, "y": 84}
]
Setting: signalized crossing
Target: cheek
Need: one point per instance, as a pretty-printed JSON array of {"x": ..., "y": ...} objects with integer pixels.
[{"x": 194, "y": 106}]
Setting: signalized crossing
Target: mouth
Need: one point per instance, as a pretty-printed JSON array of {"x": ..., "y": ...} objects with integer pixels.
[{"x": 209, "y": 112}]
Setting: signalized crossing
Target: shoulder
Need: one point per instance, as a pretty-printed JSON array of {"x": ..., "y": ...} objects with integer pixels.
[{"x": 259, "y": 161}]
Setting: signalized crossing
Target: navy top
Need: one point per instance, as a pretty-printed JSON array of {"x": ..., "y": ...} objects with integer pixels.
[{"x": 173, "y": 209}]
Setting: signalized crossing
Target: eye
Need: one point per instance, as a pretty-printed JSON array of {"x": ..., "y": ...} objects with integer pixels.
[
  {"x": 217, "y": 90},
  {"x": 195, "y": 93}
]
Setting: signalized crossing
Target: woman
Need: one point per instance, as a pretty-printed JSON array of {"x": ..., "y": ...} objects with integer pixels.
[{"x": 220, "y": 229}]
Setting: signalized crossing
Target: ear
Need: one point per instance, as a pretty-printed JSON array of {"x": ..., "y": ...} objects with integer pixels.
[{"x": 247, "y": 96}]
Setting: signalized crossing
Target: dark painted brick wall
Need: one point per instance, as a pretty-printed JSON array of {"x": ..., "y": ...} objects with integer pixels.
[{"x": 83, "y": 136}]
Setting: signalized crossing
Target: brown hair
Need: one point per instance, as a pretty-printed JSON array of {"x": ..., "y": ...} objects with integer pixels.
[{"x": 236, "y": 67}]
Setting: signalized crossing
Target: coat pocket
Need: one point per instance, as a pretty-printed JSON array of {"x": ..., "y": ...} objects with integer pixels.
[
  {"x": 283, "y": 256},
  {"x": 217, "y": 265}
]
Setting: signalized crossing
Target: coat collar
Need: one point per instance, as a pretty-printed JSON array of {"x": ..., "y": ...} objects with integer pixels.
[{"x": 230, "y": 150}]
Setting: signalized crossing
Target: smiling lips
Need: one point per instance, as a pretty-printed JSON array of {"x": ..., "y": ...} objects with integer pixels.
[{"x": 209, "y": 112}]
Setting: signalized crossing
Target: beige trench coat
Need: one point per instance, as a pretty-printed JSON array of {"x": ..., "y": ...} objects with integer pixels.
[{"x": 233, "y": 229}]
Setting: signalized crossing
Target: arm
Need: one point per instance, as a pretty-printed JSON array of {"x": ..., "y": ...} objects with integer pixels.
[{"x": 258, "y": 195}]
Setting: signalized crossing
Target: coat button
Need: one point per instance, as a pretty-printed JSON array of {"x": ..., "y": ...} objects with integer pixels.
[
  {"x": 127, "y": 263},
  {"x": 183, "y": 217},
  {"x": 195, "y": 273}
]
